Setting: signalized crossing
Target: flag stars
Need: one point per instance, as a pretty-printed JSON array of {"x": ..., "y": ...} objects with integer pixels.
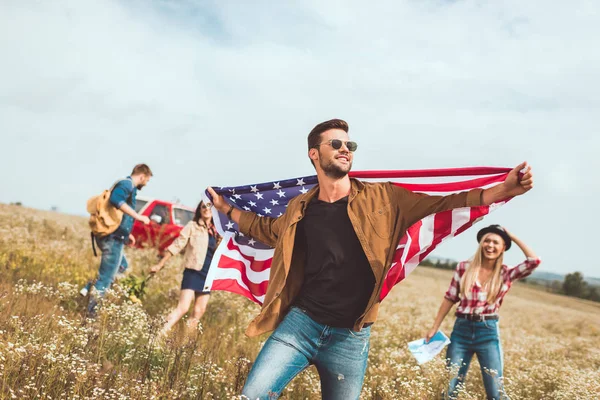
[
  {"x": 276, "y": 186},
  {"x": 300, "y": 182},
  {"x": 237, "y": 196},
  {"x": 303, "y": 190},
  {"x": 281, "y": 193},
  {"x": 253, "y": 189},
  {"x": 267, "y": 210},
  {"x": 251, "y": 242},
  {"x": 246, "y": 208},
  {"x": 258, "y": 196},
  {"x": 229, "y": 225},
  {"x": 252, "y": 204},
  {"x": 274, "y": 202},
  {"x": 280, "y": 214}
]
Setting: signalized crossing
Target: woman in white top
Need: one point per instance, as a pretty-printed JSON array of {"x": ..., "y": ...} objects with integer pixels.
[{"x": 200, "y": 239}]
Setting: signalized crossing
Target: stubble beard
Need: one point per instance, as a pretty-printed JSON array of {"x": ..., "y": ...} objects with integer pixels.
[{"x": 334, "y": 171}]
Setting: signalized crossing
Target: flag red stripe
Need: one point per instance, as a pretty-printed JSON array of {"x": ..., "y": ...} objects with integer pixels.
[
  {"x": 255, "y": 265},
  {"x": 231, "y": 285},
  {"x": 415, "y": 244},
  {"x": 258, "y": 289},
  {"x": 394, "y": 276},
  {"x": 429, "y": 173},
  {"x": 452, "y": 186}
]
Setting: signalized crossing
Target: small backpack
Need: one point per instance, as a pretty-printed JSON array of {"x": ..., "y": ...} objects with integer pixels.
[{"x": 104, "y": 217}]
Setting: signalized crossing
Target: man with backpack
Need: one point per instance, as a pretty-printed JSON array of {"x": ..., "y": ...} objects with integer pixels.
[{"x": 111, "y": 220}]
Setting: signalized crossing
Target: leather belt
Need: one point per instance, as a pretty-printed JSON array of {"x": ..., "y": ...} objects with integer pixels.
[{"x": 478, "y": 317}]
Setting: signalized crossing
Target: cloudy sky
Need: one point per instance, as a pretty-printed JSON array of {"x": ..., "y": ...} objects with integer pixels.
[{"x": 225, "y": 92}]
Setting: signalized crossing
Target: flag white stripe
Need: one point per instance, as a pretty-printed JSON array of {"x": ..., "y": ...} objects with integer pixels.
[{"x": 460, "y": 217}]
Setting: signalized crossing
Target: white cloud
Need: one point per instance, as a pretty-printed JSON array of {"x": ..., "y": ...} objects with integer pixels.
[{"x": 225, "y": 93}]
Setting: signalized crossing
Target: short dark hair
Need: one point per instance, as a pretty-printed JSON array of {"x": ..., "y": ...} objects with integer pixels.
[
  {"x": 141, "y": 169},
  {"x": 314, "y": 137}
]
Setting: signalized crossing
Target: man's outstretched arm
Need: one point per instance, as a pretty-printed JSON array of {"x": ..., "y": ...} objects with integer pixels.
[{"x": 416, "y": 206}]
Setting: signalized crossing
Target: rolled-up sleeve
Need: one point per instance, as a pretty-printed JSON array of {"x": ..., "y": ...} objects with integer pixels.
[
  {"x": 182, "y": 240},
  {"x": 121, "y": 193},
  {"x": 524, "y": 269}
]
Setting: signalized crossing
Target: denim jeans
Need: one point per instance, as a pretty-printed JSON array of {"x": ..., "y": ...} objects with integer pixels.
[
  {"x": 112, "y": 260},
  {"x": 483, "y": 339},
  {"x": 339, "y": 354},
  {"x": 122, "y": 269}
]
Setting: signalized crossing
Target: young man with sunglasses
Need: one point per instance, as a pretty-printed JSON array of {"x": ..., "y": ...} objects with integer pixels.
[{"x": 333, "y": 247}]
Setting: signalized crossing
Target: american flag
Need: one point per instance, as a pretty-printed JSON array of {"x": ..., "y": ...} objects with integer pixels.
[{"x": 241, "y": 264}]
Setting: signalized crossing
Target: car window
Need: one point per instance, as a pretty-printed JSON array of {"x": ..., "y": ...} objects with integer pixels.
[
  {"x": 160, "y": 214},
  {"x": 182, "y": 217},
  {"x": 139, "y": 204}
]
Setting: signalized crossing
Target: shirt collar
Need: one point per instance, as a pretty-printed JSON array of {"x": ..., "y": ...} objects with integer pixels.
[{"x": 356, "y": 187}]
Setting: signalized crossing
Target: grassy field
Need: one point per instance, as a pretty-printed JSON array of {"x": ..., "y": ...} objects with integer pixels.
[{"x": 48, "y": 350}]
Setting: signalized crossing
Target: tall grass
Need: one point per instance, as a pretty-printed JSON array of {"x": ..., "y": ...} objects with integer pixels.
[{"x": 48, "y": 349}]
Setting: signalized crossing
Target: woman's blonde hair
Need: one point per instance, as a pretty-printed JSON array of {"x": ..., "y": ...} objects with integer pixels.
[{"x": 468, "y": 279}]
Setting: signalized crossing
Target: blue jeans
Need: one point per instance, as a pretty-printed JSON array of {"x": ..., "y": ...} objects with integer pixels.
[
  {"x": 339, "y": 354},
  {"x": 122, "y": 269},
  {"x": 483, "y": 339},
  {"x": 113, "y": 260}
]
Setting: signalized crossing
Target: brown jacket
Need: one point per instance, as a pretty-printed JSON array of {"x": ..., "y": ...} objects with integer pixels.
[{"x": 380, "y": 214}]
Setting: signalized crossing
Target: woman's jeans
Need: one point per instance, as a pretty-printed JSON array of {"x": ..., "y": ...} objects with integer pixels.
[
  {"x": 339, "y": 354},
  {"x": 113, "y": 260},
  {"x": 483, "y": 339}
]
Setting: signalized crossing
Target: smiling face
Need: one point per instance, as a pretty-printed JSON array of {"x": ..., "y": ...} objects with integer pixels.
[
  {"x": 492, "y": 246},
  {"x": 334, "y": 163},
  {"x": 205, "y": 212}
]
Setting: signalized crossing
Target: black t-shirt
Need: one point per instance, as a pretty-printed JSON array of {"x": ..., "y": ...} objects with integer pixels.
[{"x": 338, "y": 280}]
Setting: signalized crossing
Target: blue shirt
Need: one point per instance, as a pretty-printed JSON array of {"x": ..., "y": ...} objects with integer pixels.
[{"x": 124, "y": 192}]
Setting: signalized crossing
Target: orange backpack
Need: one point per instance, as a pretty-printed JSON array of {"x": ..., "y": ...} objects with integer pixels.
[{"x": 104, "y": 217}]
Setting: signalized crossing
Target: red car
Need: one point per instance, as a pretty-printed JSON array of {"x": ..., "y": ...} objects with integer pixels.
[{"x": 166, "y": 221}]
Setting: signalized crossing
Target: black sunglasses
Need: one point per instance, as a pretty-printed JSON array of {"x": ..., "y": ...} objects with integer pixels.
[{"x": 337, "y": 144}]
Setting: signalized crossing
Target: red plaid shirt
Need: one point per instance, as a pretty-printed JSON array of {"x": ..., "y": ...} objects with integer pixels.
[{"x": 475, "y": 301}]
